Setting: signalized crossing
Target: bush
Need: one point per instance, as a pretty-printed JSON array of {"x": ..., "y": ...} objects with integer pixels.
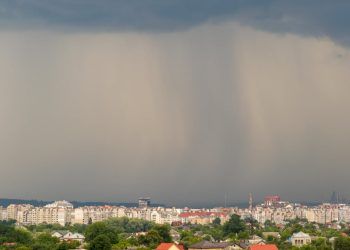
[{"x": 101, "y": 242}]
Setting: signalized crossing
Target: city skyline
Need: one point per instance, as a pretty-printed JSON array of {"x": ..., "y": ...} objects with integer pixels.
[
  {"x": 334, "y": 198},
  {"x": 273, "y": 209},
  {"x": 183, "y": 101}
]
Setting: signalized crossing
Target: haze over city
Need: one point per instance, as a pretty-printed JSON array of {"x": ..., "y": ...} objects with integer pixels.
[{"x": 184, "y": 101}]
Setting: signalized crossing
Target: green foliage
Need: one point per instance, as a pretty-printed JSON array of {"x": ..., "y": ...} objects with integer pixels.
[
  {"x": 101, "y": 242},
  {"x": 233, "y": 226},
  {"x": 216, "y": 221},
  {"x": 122, "y": 244},
  {"x": 329, "y": 233},
  {"x": 321, "y": 244},
  {"x": 127, "y": 225},
  {"x": 270, "y": 226},
  {"x": 216, "y": 233},
  {"x": 187, "y": 238},
  {"x": 63, "y": 246},
  {"x": 8, "y": 233},
  {"x": 101, "y": 228},
  {"x": 243, "y": 235},
  {"x": 80, "y": 228},
  {"x": 46, "y": 238},
  {"x": 45, "y": 241},
  {"x": 151, "y": 239},
  {"x": 68, "y": 245},
  {"x": 42, "y": 246},
  {"x": 164, "y": 232},
  {"x": 23, "y": 248},
  {"x": 342, "y": 243},
  {"x": 119, "y": 233}
]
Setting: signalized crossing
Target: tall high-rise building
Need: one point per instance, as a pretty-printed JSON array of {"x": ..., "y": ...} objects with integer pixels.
[
  {"x": 144, "y": 202},
  {"x": 250, "y": 202},
  {"x": 271, "y": 200},
  {"x": 334, "y": 198}
]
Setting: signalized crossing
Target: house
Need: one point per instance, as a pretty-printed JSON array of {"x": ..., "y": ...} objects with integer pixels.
[
  {"x": 300, "y": 239},
  {"x": 256, "y": 240},
  {"x": 209, "y": 245},
  {"x": 68, "y": 236},
  {"x": 59, "y": 234},
  {"x": 170, "y": 246},
  {"x": 235, "y": 247},
  {"x": 243, "y": 244},
  {"x": 73, "y": 237},
  {"x": 263, "y": 247}
]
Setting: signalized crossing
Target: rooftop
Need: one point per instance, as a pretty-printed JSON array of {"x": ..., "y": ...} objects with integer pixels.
[{"x": 209, "y": 245}]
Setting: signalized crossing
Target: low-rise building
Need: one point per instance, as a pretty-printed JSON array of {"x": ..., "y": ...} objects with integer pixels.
[
  {"x": 263, "y": 247},
  {"x": 209, "y": 245},
  {"x": 170, "y": 246},
  {"x": 300, "y": 239},
  {"x": 68, "y": 236}
]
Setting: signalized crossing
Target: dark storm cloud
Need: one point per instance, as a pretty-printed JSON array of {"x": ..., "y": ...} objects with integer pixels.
[
  {"x": 312, "y": 17},
  {"x": 183, "y": 117},
  {"x": 195, "y": 100}
]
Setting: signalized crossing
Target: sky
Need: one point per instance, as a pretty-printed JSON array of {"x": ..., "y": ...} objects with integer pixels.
[{"x": 183, "y": 101}]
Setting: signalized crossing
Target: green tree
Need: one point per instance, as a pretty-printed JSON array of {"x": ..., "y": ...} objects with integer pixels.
[
  {"x": 164, "y": 232},
  {"x": 233, "y": 226},
  {"x": 216, "y": 221},
  {"x": 342, "y": 243},
  {"x": 122, "y": 244},
  {"x": 188, "y": 238},
  {"x": 68, "y": 245},
  {"x": 8, "y": 233},
  {"x": 151, "y": 239},
  {"x": 216, "y": 233},
  {"x": 23, "y": 248},
  {"x": 129, "y": 225},
  {"x": 46, "y": 238},
  {"x": 243, "y": 235},
  {"x": 100, "y": 228},
  {"x": 321, "y": 244},
  {"x": 63, "y": 246},
  {"x": 101, "y": 242},
  {"x": 42, "y": 246}
]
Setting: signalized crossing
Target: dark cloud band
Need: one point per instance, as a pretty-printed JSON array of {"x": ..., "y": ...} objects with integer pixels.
[{"x": 312, "y": 18}]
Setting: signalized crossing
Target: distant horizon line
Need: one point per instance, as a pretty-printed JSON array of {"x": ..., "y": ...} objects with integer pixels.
[{"x": 153, "y": 204}]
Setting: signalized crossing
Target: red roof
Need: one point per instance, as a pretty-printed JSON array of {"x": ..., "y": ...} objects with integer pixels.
[
  {"x": 263, "y": 247},
  {"x": 166, "y": 246}
]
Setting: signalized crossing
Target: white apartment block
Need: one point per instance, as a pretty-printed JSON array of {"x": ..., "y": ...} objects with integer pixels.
[
  {"x": 17, "y": 211},
  {"x": 3, "y": 213},
  {"x": 49, "y": 215},
  {"x": 62, "y": 212}
]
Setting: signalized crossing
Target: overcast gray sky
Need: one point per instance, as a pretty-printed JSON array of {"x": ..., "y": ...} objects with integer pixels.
[{"x": 181, "y": 100}]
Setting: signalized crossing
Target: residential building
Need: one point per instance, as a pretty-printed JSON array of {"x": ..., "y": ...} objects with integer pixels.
[
  {"x": 170, "y": 246},
  {"x": 209, "y": 245},
  {"x": 263, "y": 247},
  {"x": 300, "y": 239}
]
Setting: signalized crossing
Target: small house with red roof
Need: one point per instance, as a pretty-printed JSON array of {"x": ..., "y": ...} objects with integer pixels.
[
  {"x": 263, "y": 247},
  {"x": 170, "y": 246}
]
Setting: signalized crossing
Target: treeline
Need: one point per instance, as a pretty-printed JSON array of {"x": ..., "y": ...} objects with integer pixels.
[
  {"x": 124, "y": 233},
  {"x": 117, "y": 233},
  {"x": 12, "y": 237}
]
